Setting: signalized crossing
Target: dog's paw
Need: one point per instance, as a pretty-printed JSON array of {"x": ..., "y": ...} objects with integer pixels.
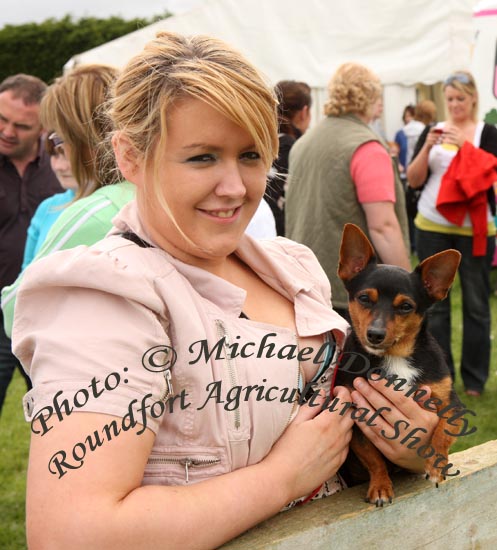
[
  {"x": 433, "y": 473},
  {"x": 380, "y": 494}
]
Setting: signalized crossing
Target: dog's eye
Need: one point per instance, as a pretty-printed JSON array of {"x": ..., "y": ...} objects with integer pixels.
[
  {"x": 405, "y": 307},
  {"x": 364, "y": 299}
]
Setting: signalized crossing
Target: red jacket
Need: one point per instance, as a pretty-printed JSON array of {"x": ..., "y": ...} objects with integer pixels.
[{"x": 464, "y": 190}]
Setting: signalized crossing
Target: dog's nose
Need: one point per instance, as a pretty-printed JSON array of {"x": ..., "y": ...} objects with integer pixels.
[{"x": 375, "y": 335}]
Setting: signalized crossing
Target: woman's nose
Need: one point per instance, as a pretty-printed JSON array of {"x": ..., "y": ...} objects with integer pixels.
[{"x": 231, "y": 181}]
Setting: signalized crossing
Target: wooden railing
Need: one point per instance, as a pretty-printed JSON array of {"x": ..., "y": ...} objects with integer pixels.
[{"x": 460, "y": 515}]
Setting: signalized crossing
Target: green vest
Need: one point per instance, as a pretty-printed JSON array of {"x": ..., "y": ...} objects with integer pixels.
[{"x": 321, "y": 194}]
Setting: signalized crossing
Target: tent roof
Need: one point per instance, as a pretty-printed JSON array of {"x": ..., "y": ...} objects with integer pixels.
[{"x": 403, "y": 41}]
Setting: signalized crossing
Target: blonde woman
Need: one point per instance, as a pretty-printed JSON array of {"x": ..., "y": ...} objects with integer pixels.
[
  {"x": 178, "y": 425},
  {"x": 74, "y": 105},
  {"x": 437, "y": 152},
  {"x": 341, "y": 171}
]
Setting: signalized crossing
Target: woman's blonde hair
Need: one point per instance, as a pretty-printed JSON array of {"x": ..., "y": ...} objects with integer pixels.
[
  {"x": 352, "y": 89},
  {"x": 75, "y": 107},
  {"x": 464, "y": 82},
  {"x": 173, "y": 67}
]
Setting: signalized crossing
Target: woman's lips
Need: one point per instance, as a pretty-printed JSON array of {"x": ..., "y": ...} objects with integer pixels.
[{"x": 224, "y": 215}]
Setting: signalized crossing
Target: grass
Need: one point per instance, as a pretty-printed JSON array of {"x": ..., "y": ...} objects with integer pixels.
[
  {"x": 14, "y": 444},
  {"x": 14, "y": 432},
  {"x": 485, "y": 406}
]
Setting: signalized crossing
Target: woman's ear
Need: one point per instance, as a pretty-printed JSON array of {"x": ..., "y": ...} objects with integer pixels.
[{"x": 127, "y": 158}]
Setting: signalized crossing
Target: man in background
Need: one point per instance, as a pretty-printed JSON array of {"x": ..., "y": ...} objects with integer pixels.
[{"x": 26, "y": 179}]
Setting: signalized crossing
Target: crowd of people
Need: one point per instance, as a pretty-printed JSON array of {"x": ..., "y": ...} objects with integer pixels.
[{"x": 135, "y": 202}]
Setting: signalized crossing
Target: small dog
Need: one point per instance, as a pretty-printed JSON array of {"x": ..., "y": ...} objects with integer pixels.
[{"x": 387, "y": 306}]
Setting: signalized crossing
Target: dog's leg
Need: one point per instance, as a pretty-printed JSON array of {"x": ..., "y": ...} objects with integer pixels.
[
  {"x": 440, "y": 443},
  {"x": 441, "y": 439},
  {"x": 380, "y": 486}
]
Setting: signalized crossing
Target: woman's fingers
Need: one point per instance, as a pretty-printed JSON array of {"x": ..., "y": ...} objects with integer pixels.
[
  {"x": 310, "y": 409},
  {"x": 315, "y": 444},
  {"x": 390, "y": 419},
  {"x": 320, "y": 406}
]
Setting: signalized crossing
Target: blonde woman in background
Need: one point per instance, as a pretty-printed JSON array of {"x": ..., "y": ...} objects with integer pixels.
[{"x": 461, "y": 148}]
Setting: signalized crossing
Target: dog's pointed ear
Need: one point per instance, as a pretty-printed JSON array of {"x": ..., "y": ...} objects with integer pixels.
[
  {"x": 356, "y": 252},
  {"x": 438, "y": 273}
]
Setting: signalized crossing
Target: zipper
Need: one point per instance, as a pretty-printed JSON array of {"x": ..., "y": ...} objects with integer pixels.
[
  {"x": 299, "y": 384},
  {"x": 187, "y": 462},
  {"x": 230, "y": 367},
  {"x": 168, "y": 390}
]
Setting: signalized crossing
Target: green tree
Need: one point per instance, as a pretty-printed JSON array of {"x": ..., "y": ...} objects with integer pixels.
[
  {"x": 43, "y": 49},
  {"x": 491, "y": 117}
]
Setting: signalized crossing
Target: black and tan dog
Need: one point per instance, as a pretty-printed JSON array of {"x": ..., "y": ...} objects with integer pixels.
[{"x": 387, "y": 306}]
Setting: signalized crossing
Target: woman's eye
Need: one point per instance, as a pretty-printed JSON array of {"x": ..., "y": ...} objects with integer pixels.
[
  {"x": 251, "y": 155},
  {"x": 207, "y": 157}
]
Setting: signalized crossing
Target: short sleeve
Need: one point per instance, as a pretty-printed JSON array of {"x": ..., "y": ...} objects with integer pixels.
[
  {"x": 83, "y": 346},
  {"x": 372, "y": 172}
]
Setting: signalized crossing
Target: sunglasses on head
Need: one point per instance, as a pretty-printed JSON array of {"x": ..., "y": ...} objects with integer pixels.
[
  {"x": 55, "y": 140},
  {"x": 54, "y": 144},
  {"x": 459, "y": 77}
]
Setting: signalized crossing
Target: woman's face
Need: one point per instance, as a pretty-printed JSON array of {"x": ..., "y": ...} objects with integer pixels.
[
  {"x": 62, "y": 167},
  {"x": 212, "y": 178},
  {"x": 460, "y": 105}
]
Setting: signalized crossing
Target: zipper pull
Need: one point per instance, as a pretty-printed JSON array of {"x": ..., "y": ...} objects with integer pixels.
[
  {"x": 187, "y": 462},
  {"x": 169, "y": 386},
  {"x": 165, "y": 364}
]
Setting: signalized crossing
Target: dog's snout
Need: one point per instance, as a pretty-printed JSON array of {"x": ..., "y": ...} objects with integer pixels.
[{"x": 376, "y": 335}]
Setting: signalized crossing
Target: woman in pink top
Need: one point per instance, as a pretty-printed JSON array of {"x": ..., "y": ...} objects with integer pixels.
[{"x": 168, "y": 359}]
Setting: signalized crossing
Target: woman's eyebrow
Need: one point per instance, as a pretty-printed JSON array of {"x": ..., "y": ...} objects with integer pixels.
[{"x": 201, "y": 145}]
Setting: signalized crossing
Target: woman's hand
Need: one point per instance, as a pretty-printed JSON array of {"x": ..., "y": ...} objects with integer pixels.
[
  {"x": 433, "y": 137},
  {"x": 453, "y": 135},
  {"x": 401, "y": 425},
  {"x": 314, "y": 445},
  {"x": 103, "y": 504}
]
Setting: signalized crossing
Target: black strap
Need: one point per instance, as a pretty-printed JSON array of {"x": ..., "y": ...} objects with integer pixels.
[{"x": 133, "y": 237}]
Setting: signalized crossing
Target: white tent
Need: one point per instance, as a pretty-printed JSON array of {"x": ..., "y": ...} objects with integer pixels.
[
  {"x": 484, "y": 58},
  {"x": 404, "y": 41}
]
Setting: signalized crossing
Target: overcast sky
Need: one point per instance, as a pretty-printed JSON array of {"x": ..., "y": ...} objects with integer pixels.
[{"x": 17, "y": 12}]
